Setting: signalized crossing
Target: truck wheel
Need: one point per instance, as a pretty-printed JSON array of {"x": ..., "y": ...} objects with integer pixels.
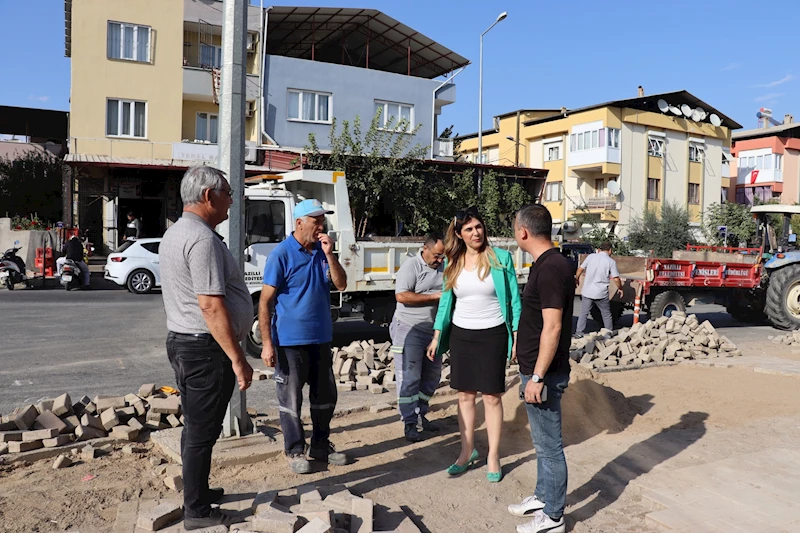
[
  {"x": 783, "y": 298},
  {"x": 666, "y": 303},
  {"x": 617, "y": 308},
  {"x": 252, "y": 342},
  {"x": 747, "y": 315}
]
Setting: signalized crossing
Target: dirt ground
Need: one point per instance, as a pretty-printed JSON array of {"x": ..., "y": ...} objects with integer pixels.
[{"x": 605, "y": 419}]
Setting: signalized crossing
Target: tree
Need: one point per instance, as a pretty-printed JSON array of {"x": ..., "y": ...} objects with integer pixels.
[
  {"x": 499, "y": 201},
  {"x": 32, "y": 184},
  {"x": 380, "y": 165},
  {"x": 447, "y": 133},
  {"x": 662, "y": 234},
  {"x": 735, "y": 217}
]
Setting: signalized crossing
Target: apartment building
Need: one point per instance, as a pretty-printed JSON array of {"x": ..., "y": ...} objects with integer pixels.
[
  {"x": 654, "y": 148},
  {"x": 766, "y": 164},
  {"x": 144, "y": 94}
]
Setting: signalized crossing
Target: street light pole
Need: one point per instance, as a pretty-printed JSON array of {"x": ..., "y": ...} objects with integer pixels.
[
  {"x": 516, "y": 142},
  {"x": 500, "y": 17}
]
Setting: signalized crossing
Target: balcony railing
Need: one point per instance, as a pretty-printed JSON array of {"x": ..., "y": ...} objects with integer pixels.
[{"x": 602, "y": 202}]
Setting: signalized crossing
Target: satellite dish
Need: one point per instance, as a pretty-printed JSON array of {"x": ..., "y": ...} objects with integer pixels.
[
  {"x": 697, "y": 116},
  {"x": 613, "y": 188},
  {"x": 686, "y": 110},
  {"x": 702, "y": 112},
  {"x": 675, "y": 111},
  {"x": 663, "y": 106},
  {"x": 715, "y": 120}
]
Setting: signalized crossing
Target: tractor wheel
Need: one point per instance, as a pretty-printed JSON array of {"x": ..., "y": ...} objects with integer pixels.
[
  {"x": 666, "y": 303},
  {"x": 783, "y": 298}
]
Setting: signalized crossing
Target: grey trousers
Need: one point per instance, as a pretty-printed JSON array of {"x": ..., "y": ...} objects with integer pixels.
[{"x": 586, "y": 306}]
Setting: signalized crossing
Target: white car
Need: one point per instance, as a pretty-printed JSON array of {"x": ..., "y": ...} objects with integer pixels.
[{"x": 135, "y": 265}]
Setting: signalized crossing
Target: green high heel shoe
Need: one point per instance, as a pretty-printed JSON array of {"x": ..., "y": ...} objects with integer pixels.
[
  {"x": 455, "y": 469},
  {"x": 494, "y": 477}
]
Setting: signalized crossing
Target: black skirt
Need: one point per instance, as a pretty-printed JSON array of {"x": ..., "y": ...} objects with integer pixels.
[{"x": 478, "y": 359}]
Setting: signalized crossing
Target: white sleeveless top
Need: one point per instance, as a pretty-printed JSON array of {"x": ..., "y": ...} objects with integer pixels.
[{"x": 477, "y": 306}]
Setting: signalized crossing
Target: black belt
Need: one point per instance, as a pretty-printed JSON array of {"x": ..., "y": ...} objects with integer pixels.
[{"x": 195, "y": 335}]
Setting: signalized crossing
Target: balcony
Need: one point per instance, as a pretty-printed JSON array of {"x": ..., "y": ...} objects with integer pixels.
[
  {"x": 198, "y": 85},
  {"x": 751, "y": 176},
  {"x": 602, "y": 202},
  {"x": 443, "y": 149}
]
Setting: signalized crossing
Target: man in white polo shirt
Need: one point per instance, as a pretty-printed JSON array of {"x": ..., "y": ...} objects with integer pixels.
[
  {"x": 599, "y": 269},
  {"x": 417, "y": 291}
]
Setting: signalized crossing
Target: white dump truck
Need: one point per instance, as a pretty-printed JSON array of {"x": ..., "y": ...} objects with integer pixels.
[{"x": 371, "y": 263}]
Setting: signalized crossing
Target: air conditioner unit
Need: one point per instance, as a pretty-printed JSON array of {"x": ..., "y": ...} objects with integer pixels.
[
  {"x": 250, "y": 110},
  {"x": 570, "y": 226},
  {"x": 250, "y": 154},
  {"x": 252, "y": 41}
]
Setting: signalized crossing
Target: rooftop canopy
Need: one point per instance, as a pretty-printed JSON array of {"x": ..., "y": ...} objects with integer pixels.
[{"x": 358, "y": 37}]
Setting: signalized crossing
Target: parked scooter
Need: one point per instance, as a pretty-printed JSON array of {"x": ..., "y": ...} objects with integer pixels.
[
  {"x": 71, "y": 276},
  {"x": 12, "y": 268}
]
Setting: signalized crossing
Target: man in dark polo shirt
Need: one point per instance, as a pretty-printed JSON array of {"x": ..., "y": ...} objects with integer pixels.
[
  {"x": 297, "y": 277},
  {"x": 543, "y": 342},
  {"x": 209, "y": 312}
]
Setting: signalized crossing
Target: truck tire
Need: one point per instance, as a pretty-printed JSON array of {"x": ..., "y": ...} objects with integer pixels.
[
  {"x": 617, "y": 308},
  {"x": 783, "y": 298},
  {"x": 666, "y": 303},
  {"x": 252, "y": 342},
  {"x": 747, "y": 315}
]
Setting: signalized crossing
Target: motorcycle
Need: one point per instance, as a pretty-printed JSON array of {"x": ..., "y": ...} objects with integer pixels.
[
  {"x": 12, "y": 268},
  {"x": 71, "y": 277}
]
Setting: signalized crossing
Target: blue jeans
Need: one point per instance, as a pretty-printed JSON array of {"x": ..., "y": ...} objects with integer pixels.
[
  {"x": 298, "y": 365},
  {"x": 417, "y": 376},
  {"x": 551, "y": 465}
]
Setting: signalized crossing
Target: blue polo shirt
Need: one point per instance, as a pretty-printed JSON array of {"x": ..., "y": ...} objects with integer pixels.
[{"x": 303, "y": 299}]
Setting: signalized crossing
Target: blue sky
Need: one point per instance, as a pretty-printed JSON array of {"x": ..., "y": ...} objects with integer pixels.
[{"x": 735, "y": 54}]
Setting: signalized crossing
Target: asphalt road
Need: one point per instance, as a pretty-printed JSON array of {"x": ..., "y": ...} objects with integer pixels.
[{"x": 110, "y": 341}]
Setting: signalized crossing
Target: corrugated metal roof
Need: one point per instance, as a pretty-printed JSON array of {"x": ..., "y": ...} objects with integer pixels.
[
  {"x": 766, "y": 132},
  {"x": 113, "y": 161}
]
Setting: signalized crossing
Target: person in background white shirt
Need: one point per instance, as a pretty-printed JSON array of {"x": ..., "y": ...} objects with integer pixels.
[{"x": 599, "y": 269}]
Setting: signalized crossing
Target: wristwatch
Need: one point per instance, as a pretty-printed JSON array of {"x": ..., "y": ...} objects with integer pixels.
[{"x": 536, "y": 379}]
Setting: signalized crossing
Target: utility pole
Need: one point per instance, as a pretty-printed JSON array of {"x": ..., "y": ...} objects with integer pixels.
[{"x": 231, "y": 161}]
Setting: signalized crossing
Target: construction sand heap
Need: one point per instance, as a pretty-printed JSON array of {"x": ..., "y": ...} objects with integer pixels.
[
  {"x": 58, "y": 422},
  {"x": 667, "y": 339}
]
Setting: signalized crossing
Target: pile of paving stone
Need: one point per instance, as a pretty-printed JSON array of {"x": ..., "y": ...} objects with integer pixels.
[
  {"x": 307, "y": 509},
  {"x": 667, "y": 339},
  {"x": 58, "y": 422},
  {"x": 367, "y": 366},
  {"x": 790, "y": 339}
]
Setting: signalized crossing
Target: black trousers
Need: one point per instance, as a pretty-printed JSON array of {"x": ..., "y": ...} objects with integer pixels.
[
  {"x": 205, "y": 377},
  {"x": 298, "y": 365}
]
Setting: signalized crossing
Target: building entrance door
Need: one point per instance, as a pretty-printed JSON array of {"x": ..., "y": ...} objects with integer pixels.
[{"x": 149, "y": 212}]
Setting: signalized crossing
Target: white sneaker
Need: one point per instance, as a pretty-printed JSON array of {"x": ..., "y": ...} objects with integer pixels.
[
  {"x": 542, "y": 523},
  {"x": 527, "y": 507}
]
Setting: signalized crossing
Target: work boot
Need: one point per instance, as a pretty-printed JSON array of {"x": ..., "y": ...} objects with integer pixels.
[
  {"x": 326, "y": 452},
  {"x": 412, "y": 433},
  {"x": 298, "y": 463},
  {"x": 426, "y": 425},
  {"x": 215, "y": 518}
]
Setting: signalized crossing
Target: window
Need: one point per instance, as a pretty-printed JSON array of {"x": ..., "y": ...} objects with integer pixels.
[
  {"x": 266, "y": 221},
  {"x": 694, "y": 193},
  {"x": 759, "y": 162},
  {"x": 594, "y": 139},
  {"x": 552, "y": 192},
  {"x": 613, "y": 138},
  {"x": 553, "y": 152},
  {"x": 655, "y": 146},
  {"x": 696, "y": 153},
  {"x": 572, "y": 143},
  {"x": 151, "y": 247},
  {"x": 580, "y": 141},
  {"x": 778, "y": 161},
  {"x": 309, "y": 106},
  {"x": 205, "y": 128},
  {"x": 128, "y": 41},
  {"x": 588, "y": 140},
  {"x": 599, "y": 188},
  {"x": 751, "y": 162},
  {"x": 724, "y": 197},
  {"x": 768, "y": 162},
  {"x": 653, "y": 186},
  {"x": 392, "y": 114},
  {"x": 210, "y": 56},
  {"x": 126, "y": 118}
]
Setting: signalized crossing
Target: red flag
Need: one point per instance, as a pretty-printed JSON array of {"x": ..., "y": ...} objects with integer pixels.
[{"x": 753, "y": 176}]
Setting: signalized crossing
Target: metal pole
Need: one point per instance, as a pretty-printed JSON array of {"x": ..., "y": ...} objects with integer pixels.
[
  {"x": 231, "y": 161},
  {"x": 480, "y": 102}
]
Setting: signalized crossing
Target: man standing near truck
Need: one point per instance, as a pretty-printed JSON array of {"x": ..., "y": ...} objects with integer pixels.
[
  {"x": 599, "y": 269},
  {"x": 297, "y": 277},
  {"x": 417, "y": 291}
]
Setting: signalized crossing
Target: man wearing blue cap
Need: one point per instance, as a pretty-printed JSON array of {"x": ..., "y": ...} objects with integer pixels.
[{"x": 297, "y": 277}]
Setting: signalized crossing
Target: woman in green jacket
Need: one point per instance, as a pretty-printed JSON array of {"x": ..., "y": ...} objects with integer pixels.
[{"x": 477, "y": 321}]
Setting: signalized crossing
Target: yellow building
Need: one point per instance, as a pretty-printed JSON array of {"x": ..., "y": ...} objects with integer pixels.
[
  {"x": 663, "y": 147},
  {"x": 144, "y": 107}
]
